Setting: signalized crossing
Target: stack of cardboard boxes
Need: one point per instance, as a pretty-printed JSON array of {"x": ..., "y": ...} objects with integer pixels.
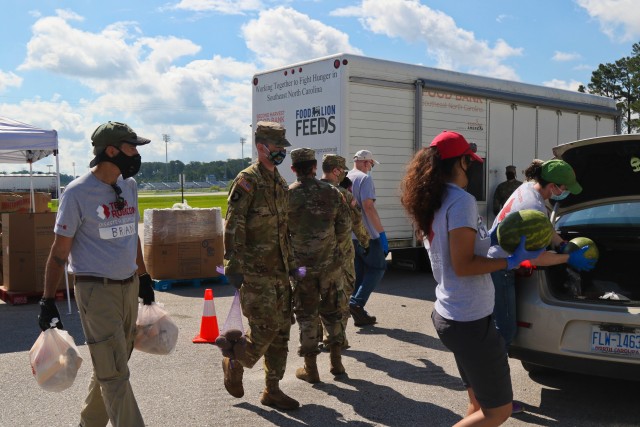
[
  {"x": 183, "y": 243},
  {"x": 26, "y": 240}
]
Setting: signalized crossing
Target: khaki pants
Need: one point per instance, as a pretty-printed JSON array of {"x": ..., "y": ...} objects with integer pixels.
[{"x": 108, "y": 314}]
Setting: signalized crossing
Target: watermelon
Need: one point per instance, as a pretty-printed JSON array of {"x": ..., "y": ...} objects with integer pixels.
[
  {"x": 532, "y": 224},
  {"x": 579, "y": 242}
]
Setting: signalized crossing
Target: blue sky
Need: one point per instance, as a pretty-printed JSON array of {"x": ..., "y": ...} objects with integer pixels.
[{"x": 184, "y": 67}]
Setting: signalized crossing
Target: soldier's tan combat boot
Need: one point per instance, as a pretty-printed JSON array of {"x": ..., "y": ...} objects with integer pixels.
[
  {"x": 336, "y": 360},
  {"x": 233, "y": 372},
  {"x": 273, "y": 396},
  {"x": 309, "y": 372}
]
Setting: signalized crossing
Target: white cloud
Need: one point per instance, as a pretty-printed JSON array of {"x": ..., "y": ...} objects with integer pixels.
[
  {"x": 58, "y": 47},
  {"x": 565, "y": 56},
  {"x": 231, "y": 7},
  {"x": 136, "y": 80},
  {"x": 563, "y": 84},
  {"x": 619, "y": 19},
  {"x": 9, "y": 79},
  {"x": 451, "y": 46},
  {"x": 283, "y": 36}
]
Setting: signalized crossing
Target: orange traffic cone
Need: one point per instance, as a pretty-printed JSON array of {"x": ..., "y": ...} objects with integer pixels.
[{"x": 209, "y": 326}]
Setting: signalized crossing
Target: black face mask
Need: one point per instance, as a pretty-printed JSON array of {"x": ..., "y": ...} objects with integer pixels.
[
  {"x": 128, "y": 165},
  {"x": 467, "y": 171}
]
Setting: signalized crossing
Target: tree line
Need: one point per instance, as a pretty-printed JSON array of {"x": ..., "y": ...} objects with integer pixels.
[{"x": 220, "y": 170}]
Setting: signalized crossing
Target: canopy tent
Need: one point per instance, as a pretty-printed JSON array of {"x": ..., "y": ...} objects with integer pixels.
[{"x": 23, "y": 143}]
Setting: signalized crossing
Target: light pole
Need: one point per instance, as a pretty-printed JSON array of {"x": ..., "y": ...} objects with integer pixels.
[
  {"x": 49, "y": 166},
  {"x": 242, "y": 141},
  {"x": 166, "y": 138},
  {"x": 74, "y": 170}
]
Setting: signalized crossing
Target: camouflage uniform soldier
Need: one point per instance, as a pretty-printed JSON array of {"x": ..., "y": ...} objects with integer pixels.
[
  {"x": 258, "y": 261},
  {"x": 504, "y": 189},
  {"x": 319, "y": 218},
  {"x": 334, "y": 170}
]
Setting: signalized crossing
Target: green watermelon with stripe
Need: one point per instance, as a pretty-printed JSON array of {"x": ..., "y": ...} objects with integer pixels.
[
  {"x": 580, "y": 242},
  {"x": 532, "y": 224}
]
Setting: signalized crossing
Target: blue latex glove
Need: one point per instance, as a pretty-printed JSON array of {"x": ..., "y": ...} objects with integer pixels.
[
  {"x": 384, "y": 242},
  {"x": 521, "y": 254},
  {"x": 579, "y": 262}
]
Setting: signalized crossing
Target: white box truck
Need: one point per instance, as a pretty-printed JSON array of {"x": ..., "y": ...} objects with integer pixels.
[{"x": 344, "y": 103}]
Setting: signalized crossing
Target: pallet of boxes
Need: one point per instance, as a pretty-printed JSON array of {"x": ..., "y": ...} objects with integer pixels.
[
  {"x": 27, "y": 235},
  {"x": 183, "y": 245}
]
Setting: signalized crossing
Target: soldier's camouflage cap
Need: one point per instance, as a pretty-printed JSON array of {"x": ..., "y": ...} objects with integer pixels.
[
  {"x": 272, "y": 132},
  {"x": 302, "y": 155},
  {"x": 334, "y": 161}
]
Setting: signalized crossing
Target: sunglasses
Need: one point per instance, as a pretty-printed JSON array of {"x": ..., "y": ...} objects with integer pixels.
[{"x": 120, "y": 202}]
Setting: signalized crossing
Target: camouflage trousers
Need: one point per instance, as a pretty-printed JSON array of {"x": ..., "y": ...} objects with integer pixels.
[
  {"x": 266, "y": 303},
  {"x": 348, "y": 286},
  {"x": 319, "y": 298}
]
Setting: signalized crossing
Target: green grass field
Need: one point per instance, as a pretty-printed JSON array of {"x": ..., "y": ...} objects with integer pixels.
[{"x": 164, "y": 202}]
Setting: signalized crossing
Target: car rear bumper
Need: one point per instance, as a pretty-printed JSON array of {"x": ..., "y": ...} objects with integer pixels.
[{"x": 602, "y": 368}]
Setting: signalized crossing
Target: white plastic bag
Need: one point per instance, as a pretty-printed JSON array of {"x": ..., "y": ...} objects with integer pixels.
[
  {"x": 55, "y": 360},
  {"x": 156, "y": 332}
]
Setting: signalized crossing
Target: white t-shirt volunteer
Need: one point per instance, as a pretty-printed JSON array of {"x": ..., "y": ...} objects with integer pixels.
[
  {"x": 105, "y": 239},
  {"x": 525, "y": 197},
  {"x": 459, "y": 298}
]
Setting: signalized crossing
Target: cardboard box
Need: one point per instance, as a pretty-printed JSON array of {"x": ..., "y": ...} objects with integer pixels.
[
  {"x": 21, "y": 202},
  {"x": 26, "y": 243},
  {"x": 183, "y": 243}
]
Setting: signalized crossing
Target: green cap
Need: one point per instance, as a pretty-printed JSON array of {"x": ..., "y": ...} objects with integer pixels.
[
  {"x": 114, "y": 133},
  {"x": 334, "y": 161},
  {"x": 561, "y": 173},
  {"x": 302, "y": 155},
  {"x": 272, "y": 132}
]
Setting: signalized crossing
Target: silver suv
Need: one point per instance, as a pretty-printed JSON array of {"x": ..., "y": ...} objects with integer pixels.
[{"x": 589, "y": 322}]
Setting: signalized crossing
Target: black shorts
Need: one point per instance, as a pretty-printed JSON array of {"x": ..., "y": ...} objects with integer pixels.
[{"x": 480, "y": 354}]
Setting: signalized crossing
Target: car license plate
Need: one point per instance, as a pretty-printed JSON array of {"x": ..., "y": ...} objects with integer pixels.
[{"x": 620, "y": 343}]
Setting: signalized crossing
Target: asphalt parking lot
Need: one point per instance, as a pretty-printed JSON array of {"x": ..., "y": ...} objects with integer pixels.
[{"x": 399, "y": 374}]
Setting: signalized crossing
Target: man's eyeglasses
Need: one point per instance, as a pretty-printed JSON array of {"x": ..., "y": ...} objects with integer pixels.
[{"x": 120, "y": 202}]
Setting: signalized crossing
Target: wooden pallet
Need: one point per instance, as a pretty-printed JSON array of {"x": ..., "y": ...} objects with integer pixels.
[
  {"x": 23, "y": 297},
  {"x": 167, "y": 284}
]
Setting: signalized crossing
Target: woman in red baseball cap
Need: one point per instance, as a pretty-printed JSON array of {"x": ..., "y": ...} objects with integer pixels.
[{"x": 446, "y": 217}]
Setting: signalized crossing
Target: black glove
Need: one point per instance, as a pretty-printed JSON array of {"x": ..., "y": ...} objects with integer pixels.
[
  {"x": 145, "y": 291},
  {"x": 48, "y": 312},
  {"x": 235, "y": 279}
]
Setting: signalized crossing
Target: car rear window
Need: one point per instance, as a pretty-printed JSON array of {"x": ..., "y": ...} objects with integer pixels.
[{"x": 612, "y": 215}]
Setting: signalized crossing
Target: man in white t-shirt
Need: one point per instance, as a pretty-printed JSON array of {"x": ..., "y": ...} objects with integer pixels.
[
  {"x": 370, "y": 264},
  {"x": 96, "y": 230}
]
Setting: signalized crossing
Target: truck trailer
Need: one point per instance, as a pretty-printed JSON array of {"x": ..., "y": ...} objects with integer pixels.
[
  {"x": 344, "y": 103},
  {"x": 23, "y": 182}
]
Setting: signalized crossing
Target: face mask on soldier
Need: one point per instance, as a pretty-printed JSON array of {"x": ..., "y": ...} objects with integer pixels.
[{"x": 276, "y": 157}]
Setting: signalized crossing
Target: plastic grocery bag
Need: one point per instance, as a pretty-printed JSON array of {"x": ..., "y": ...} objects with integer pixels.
[
  {"x": 55, "y": 360},
  {"x": 231, "y": 340},
  {"x": 234, "y": 318},
  {"x": 156, "y": 332}
]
